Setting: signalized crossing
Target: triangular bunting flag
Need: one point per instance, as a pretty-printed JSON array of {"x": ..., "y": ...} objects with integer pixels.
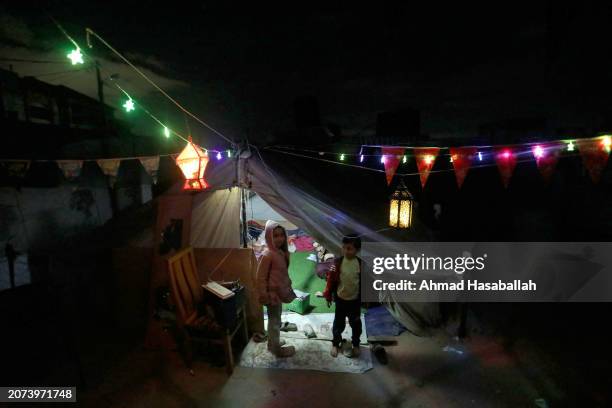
[
  {"x": 16, "y": 168},
  {"x": 594, "y": 156},
  {"x": 110, "y": 168},
  {"x": 70, "y": 168},
  {"x": 506, "y": 162},
  {"x": 393, "y": 156},
  {"x": 462, "y": 160},
  {"x": 151, "y": 166},
  {"x": 546, "y": 156},
  {"x": 425, "y": 159}
]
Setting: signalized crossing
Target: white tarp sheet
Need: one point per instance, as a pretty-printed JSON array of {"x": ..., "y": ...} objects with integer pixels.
[{"x": 215, "y": 219}]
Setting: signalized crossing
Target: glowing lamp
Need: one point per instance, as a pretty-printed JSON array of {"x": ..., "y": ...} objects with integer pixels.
[
  {"x": 192, "y": 161},
  {"x": 506, "y": 154},
  {"x": 404, "y": 159},
  {"x": 342, "y": 157},
  {"x": 479, "y": 156},
  {"x": 166, "y": 132},
  {"x": 570, "y": 146},
  {"x": 219, "y": 156},
  {"x": 361, "y": 159},
  {"x": 428, "y": 159},
  {"x": 129, "y": 105},
  {"x": 75, "y": 56},
  {"x": 606, "y": 142},
  {"x": 382, "y": 158},
  {"x": 538, "y": 152},
  {"x": 400, "y": 208}
]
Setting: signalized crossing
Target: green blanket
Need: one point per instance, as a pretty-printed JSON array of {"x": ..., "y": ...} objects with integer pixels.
[{"x": 304, "y": 278}]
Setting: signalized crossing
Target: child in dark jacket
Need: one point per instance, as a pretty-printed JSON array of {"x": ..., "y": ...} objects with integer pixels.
[{"x": 344, "y": 287}]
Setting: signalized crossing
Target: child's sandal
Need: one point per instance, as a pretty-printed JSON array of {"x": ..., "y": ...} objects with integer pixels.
[
  {"x": 286, "y": 351},
  {"x": 287, "y": 327}
]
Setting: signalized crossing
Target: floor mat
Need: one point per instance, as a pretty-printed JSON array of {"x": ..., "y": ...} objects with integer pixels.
[
  {"x": 310, "y": 354},
  {"x": 322, "y": 325},
  {"x": 379, "y": 322}
]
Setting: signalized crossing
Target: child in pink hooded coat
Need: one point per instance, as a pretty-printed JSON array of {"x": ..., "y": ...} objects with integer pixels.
[{"x": 274, "y": 285}]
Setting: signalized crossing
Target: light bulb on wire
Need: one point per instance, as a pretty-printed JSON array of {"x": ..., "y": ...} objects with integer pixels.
[
  {"x": 538, "y": 151},
  {"x": 75, "y": 56},
  {"x": 166, "y": 132},
  {"x": 129, "y": 105}
]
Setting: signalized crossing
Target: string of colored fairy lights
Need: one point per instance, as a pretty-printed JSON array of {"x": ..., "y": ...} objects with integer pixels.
[{"x": 77, "y": 56}]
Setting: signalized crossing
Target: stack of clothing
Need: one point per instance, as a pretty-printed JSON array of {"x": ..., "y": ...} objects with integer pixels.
[
  {"x": 297, "y": 239},
  {"x": 302, "y": 243}
]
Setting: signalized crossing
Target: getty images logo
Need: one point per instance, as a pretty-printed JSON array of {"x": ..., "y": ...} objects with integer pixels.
[{"x": 412, "y": 264}]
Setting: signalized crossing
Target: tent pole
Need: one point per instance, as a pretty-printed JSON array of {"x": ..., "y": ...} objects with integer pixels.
[
  {"x": 244, "y": 220},
  {"x": 243, "y": 214}
]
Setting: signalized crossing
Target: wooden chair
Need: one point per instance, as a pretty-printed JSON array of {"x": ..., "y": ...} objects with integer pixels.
[{"x": 188, "y": 294}]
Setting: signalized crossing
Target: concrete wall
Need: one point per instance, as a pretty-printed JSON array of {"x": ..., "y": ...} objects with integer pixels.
[{"x": 39, "y": 219}]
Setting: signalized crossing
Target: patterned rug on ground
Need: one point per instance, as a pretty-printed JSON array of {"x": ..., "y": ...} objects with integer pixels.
[{"x": 310, "y": 354}]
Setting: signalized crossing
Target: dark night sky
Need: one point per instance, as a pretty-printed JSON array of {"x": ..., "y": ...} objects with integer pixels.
[{"x": 241, "y": 68}]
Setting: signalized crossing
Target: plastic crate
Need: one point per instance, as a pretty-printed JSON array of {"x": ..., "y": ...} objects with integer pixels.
[{"x": 226, "y": 310}]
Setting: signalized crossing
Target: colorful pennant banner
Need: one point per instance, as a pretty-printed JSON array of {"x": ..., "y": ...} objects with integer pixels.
[
  {"x": 462, "y": 160},
  {"x": 70, "y": 168},
  {"x": 110, "y": 168},
  {"x": 595, "y": 153},
  {"x": 151, "y": 166},
  {"x": 425, "y": 159},
  {"x": 392, "y": 157},
  {"x": 506, "y": 163},
  {"x": 547, "y": 156},
  {"x": 16, "y": 168}
]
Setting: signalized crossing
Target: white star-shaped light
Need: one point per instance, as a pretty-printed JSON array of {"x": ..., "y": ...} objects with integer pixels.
[
  {"x": 76, "y": 57},
  {"x": 129, "y": 105}
]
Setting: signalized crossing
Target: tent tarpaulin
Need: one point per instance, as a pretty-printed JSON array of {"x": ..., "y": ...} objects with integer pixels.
[
  {"x": 326, "y": 209},
  {"x": 215, "y": 219}
]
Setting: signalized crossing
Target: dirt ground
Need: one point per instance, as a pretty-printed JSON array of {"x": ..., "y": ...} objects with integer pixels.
[
  {"x": 512, "y": 360},
  {"x": 419, "y": 374}
]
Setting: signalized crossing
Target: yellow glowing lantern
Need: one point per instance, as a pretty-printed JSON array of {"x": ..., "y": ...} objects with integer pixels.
[
  {"x": 400, "y": 210},
  {"x": 192, "y": 161},
  {"x": 606, "y": 142}
]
